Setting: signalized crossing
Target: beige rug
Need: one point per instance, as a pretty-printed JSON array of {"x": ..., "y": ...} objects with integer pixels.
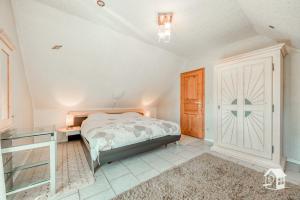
[
  {"x": 72, "y": 172},
  {"x": 209, "y": 177}
]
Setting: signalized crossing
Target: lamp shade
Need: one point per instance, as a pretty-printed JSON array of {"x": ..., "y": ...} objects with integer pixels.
[
  {"x": 69, "y": 120},
  {"x": 147, "y": 113}
]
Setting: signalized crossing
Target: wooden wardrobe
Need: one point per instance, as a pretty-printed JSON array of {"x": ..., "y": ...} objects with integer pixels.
[{"x": 248, "y": 107}]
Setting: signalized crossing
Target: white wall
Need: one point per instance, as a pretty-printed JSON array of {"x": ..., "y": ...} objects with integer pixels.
[
  {"x": 57, "y": 117},
  {"x": 169, "y": 103},
  {"x": 94, "y": 64},
  {"x": 168, "y": 107},
  {"x": 22, "y": 105},
  {"x": 22, "y": 98},
  {"x": 292, "y": 105}
]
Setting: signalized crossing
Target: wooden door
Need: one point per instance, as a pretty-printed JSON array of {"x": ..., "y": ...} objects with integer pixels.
[
  {"x": 192, "y": 103},
  {"x": 245, "y": 107}
]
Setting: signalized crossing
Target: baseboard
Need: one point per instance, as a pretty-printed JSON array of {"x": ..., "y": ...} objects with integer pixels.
[
  {"x": 209, "y": 140},
  {"x": 261, "y": 162},
  {"x": 293, "y": 161},
  {"x": 283, "y": 163}
]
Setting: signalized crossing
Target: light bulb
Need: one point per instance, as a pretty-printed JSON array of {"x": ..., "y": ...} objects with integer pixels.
[{"x": 167, "y": 25}]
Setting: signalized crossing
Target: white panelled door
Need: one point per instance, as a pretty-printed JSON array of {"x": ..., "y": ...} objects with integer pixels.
[{"x": 245, "y": 107}]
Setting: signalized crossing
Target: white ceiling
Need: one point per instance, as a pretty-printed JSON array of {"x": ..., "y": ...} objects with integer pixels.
[
  {"x": 115, "y": 49},
  {"x": 198, "y": 24},
  {"x": 284, "y": 15},
  {"x": 94, "y": 64}
]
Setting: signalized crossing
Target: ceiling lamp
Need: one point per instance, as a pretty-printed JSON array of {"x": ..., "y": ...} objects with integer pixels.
[
  {"x": 57, "y": 46},
  {"x": 164, "y": 27},
  {"x": 100, "y": 3}
]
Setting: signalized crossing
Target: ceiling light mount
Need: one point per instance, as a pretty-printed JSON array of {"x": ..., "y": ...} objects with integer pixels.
[
  {"x": 100, "y": 3},
  {"x": 271, "y": 27},
  {"x": 164, "y": 21},
  {"x": 57, "y": 46},
  {"x": 164, "y": 18}
]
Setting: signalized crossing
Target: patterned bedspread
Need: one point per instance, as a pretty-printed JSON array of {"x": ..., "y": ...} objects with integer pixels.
[{"x": 113, "y": 132}]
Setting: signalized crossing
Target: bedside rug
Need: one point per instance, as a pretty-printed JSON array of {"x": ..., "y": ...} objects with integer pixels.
[
  {"x": 72, "y": 172},
  {"x": 209, "y": 177}
]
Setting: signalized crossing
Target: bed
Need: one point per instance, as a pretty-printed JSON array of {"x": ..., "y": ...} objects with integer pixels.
[{"x": 112, "y": 135}]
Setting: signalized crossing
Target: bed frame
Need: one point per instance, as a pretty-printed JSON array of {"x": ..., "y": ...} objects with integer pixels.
[{"x": 121, "y": 152}]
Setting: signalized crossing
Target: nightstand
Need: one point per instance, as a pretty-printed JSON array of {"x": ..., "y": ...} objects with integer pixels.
[{"x": 64, "y": 134}]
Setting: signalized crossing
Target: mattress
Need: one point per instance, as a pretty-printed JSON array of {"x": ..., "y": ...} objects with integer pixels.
[{"x": 108, "y": 131}]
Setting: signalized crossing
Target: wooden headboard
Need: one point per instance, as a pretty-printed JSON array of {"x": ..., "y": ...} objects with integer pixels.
[{"x": 80, "y": 116}]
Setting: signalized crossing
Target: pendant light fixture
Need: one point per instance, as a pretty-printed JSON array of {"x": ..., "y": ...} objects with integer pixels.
[
  {"x": 100, "y": 3},
  {"x": 164, "y": 26}
]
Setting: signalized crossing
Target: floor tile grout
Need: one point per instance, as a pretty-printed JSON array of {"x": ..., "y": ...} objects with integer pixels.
[
  {"x": 98, "y": 194},
  {"x": 132, "y": 173},
  {"x": 145, "y": 162},
  {"x": 109, "y": 182},
  {"x": 185, "y": 147}
]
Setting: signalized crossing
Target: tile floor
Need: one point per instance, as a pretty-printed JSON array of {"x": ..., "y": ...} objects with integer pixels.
[{"x": 117, "y": 177}]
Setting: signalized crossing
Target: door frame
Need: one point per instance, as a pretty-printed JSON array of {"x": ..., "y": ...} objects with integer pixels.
[{"x": 201, "y": 68}]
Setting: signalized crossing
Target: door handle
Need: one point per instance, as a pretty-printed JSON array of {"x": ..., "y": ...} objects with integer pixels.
[{"x": 199, "y": 105}]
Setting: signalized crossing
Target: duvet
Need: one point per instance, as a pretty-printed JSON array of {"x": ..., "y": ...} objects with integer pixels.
[{"x": 106, "y": 132}]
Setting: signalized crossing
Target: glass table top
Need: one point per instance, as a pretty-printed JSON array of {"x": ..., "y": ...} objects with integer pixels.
[{"x": 12, "y": 134}]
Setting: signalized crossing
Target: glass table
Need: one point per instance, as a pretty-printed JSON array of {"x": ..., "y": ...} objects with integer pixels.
[{"x": 12, "y": 141}]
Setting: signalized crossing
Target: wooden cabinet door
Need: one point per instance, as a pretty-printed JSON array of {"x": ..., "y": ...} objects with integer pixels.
[{"x": 192, "y": 103}]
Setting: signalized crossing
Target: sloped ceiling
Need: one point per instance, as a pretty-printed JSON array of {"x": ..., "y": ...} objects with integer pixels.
[
  {"x": 198, "y": 24},
  {"x": 284, "y": 15},
  {"x": 94, "y": 65},
  {"x": 113, "y": 51}
]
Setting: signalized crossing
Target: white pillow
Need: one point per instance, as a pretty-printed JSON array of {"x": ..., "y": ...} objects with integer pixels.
[
  {"x": 131, "y": 114},
  {"x": 98, "y": 116},
  {"x": 105, "y": 116}
]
